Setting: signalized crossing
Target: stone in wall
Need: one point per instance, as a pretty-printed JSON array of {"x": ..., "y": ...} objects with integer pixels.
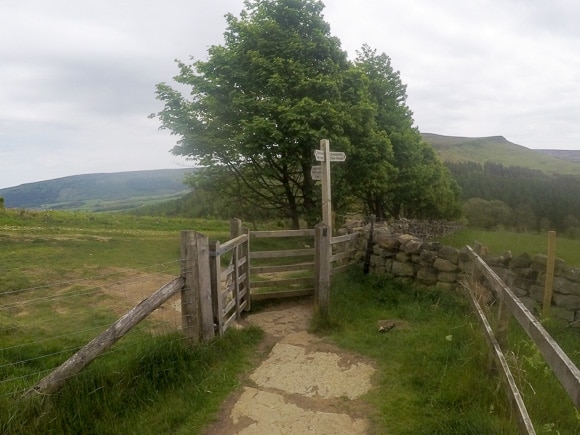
[
  {"x": 565, "y": 286},
  {"x": 448, "y": 253},
  {"x": 401, "y": 257},
  {"x": 413, "y": 246},
  {"x": 389, "y": 243},
  {"x": 402, "y": 269},
  {"x": 427, "y": 257},
  {"x": 521, "y": 262},
  {"x": 569, "y": 302},
  {"x": 572, "y": 275},
  {"x": 541, "y": 263},
  {"x": 537, "y": 293},
  {"x": 562, "y": 313},
  {"x": 448, "y": 277},
  {"x": 427, "y": 275},
  {"x": 444, "y": 265}
]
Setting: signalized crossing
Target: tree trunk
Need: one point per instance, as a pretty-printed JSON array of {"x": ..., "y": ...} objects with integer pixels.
[{"x": 291, "y": 198}]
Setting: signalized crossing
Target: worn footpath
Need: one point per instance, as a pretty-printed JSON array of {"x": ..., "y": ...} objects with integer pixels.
[{"x": 306, "y": 385}]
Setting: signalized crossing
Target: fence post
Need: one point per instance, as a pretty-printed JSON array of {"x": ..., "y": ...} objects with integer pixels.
[
  {"x": 216, "y": 286},
  {"x": 550, "y": 266},
  {"x": 243, "y": 252},
  {"x": 322, "y": 269},
  {"x": 196, "y": 302}
]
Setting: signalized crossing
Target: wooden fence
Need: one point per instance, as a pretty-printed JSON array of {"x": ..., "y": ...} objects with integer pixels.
[
  {"x": 285, "y": 272},
  {"x": 215, "y": 287},
  {"x": 510, "y": 305}
]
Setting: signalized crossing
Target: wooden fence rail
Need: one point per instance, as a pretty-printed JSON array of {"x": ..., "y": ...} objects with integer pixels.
[
  {"x": 76, "y": 363},
  {"x": 564, "y": 369}
]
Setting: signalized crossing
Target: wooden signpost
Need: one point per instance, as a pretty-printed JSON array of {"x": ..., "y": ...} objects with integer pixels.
[{"x": 322, "y": 173}]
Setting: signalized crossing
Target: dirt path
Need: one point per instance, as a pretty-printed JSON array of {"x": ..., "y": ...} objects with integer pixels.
[{"x": 305, "y": 384}]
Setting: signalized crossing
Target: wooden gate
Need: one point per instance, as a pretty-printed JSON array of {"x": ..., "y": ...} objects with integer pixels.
[
  {"x": 262, "y": 265},
  {"x": 279, "y": 272},
  {"x": 229, "y": 281}
]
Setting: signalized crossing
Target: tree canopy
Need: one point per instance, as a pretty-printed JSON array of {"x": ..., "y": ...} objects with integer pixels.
[{"x": 262, "y": 101}]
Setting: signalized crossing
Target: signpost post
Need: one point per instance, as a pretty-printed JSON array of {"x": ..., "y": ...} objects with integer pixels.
[{"x": 322, "y": 172}]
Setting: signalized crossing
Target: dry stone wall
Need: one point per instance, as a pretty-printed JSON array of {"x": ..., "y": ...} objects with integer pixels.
[
  {"x": 526, "y": 276},
  {"x": 408, "y": 258}
]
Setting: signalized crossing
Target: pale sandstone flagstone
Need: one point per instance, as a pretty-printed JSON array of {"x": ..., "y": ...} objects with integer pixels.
[
  {"x": 271, "y": 415},
  {"x": 295, "y": 370}
]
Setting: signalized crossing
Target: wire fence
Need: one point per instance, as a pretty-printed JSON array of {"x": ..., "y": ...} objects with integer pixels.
[{"x": 43, "y": 325}]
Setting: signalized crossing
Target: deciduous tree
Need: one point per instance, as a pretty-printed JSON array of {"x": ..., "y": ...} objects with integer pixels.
[{"x": 262, "y": 101}]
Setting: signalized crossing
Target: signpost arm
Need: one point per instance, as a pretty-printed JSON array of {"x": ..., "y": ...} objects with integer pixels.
[{"x": 326, "y": 197}]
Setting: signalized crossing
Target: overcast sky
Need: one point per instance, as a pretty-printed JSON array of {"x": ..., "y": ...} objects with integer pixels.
[{"x": 77, "y": 77}]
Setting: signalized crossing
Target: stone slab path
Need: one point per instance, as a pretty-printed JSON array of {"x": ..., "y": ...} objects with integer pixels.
[{"x": 305, "y": 385}]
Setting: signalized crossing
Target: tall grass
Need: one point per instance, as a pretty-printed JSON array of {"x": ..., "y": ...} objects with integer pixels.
[
  {"x": 432, "y": 364},
  {"x": 433, "y": 375},
  {"x": 158, "y": 385}
]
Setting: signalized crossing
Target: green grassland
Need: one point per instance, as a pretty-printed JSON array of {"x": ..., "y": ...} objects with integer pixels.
[{"x": 497, "y": 149}]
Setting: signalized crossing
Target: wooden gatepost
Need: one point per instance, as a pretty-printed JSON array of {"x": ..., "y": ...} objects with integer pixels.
[{"x": 196, "y": 298}]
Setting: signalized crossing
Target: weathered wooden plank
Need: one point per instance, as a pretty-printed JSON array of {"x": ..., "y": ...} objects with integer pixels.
[
  {"x": 228, "y": 308},
  {"x": 344, "y": 238},
  {"x": 342, "y": 255},
  {"x": 282, "y": 253},
  {"x": 229, "y": 321},
  {"x": 284, "y": 233},
  {"x": 338, "y": 269},
  {"x": 56, "y": 379},
  {"x": 226, "y": 272},
  {"x": 282, "y": 294},
  {"x": 231, "y": 244},
  {"x": 282, "y": 268},
  {"x": 247, "y": 267},
  {"x": 216, "y": 287},
  {"x": 196, "y": 304},
  {"x": 512, "y": 390},
  {"x": 564, "y": 369},
  {"x": 282, "y": 282}
]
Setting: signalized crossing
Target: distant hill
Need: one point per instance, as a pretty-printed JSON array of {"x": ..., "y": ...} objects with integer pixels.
[
  {"x": 99, "y": 192},
  {"x": 498, "y": 149},
  {"x": 569, "y": 155}
]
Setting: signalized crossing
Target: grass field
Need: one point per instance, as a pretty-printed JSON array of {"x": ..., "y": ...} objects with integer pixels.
[{"x": 59, "y": 275}]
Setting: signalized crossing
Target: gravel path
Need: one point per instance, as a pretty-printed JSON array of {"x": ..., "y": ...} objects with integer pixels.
[{"x": 305, "y": 384}]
